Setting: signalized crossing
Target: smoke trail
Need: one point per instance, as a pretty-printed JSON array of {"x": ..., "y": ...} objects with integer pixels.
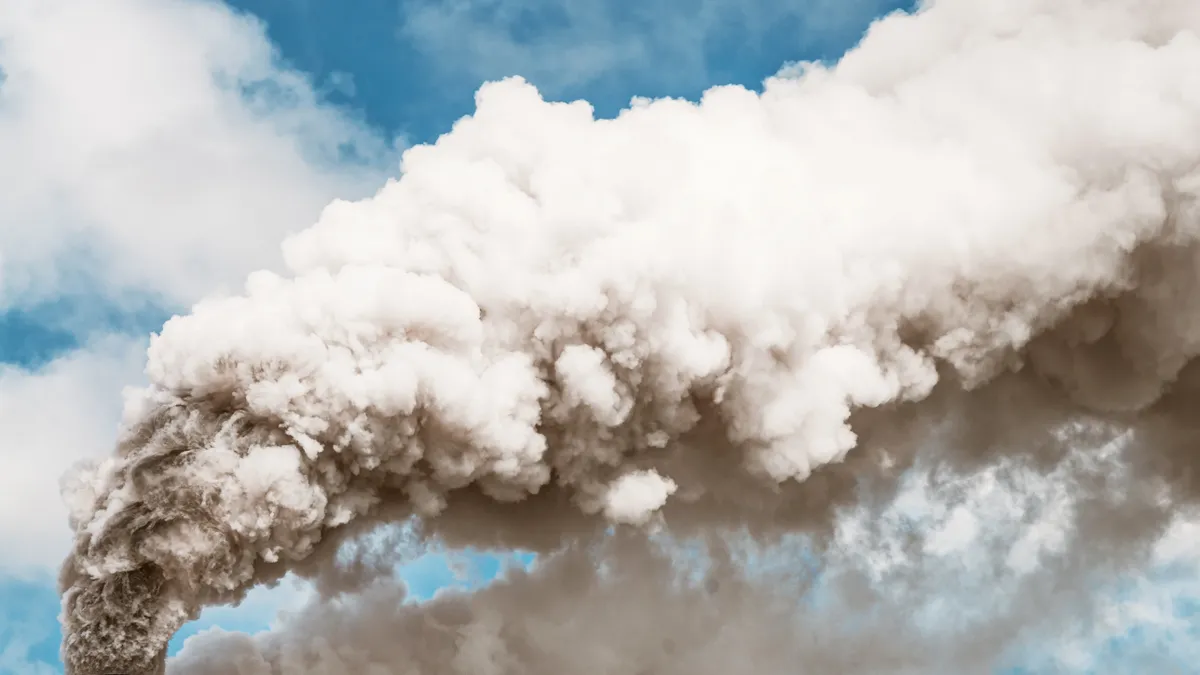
[
  {"x": 625, "y": 605},
  {"x": 970, "y": 244}
]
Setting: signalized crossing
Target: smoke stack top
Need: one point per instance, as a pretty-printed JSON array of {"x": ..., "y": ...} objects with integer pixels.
[{"x": 970, "y": 244}]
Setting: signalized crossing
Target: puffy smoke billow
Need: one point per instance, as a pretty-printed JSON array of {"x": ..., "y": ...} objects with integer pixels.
[{"x": 967, "y": 249}]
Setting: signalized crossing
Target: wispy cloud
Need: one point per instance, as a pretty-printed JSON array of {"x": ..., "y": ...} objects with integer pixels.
[
  {"x": 52, "y": 417},
  {"x": 28, "y": 631},
  {"x": 563, "y": 46}
]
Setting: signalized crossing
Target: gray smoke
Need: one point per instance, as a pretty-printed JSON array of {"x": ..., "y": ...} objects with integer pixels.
[
  {"x": 967, "y": 250},
  {"x": 880, "y": 600}
]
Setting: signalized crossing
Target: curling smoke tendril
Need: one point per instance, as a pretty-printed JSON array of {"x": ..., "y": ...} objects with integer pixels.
[{"x": 975, "y": 236}]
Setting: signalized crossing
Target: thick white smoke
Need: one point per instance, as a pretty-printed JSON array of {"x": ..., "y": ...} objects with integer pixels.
[{"x": 973, "y": 238}]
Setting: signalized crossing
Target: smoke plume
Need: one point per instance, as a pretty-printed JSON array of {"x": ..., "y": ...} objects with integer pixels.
[{"x": 667, "y": 348}]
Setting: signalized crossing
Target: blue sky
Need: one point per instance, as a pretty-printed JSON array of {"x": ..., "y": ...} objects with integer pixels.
[
  {"x": 412, "y": 74},
  {"x": 127, "y": 146}
]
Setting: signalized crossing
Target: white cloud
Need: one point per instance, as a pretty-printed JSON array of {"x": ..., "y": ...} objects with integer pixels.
[
  {"x": 51, "y": 418},
  {"x": 160, "y": 146},
  {"x": 154, "y": 146},
  {"x": 561, "y": 44}
]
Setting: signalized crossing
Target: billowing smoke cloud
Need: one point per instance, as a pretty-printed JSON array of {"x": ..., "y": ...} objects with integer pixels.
[{"x": 967, "y": 249}]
